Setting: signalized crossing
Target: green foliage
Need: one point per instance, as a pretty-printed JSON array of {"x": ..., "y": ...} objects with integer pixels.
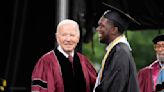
[
  {"x": 94, "y": 50},
  {"x": 141, "y": 44}
]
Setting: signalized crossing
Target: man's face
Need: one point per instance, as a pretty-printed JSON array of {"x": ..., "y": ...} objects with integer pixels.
[
  {"x": 68, "y": 37},
  {"x": 159, "y": 48},
  {"x": 104, "y": 30}
]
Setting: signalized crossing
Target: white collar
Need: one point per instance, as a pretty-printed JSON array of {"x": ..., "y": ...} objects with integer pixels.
[
  {"x": 64, "y": 53},
  {"x": 160, "y": 63},
  {"x": 122, "y": 40}
]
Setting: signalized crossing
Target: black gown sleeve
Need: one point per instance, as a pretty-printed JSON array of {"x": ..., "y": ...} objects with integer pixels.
[{"x": 116, "y": 73}]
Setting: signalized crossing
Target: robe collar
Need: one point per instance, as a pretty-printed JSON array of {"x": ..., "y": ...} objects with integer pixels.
[
  {"x": 64, "y": 53},
  {"x": 156, "y": 62},
  {"x": 161, "y": 65},
  {"x": 123, "y": 39}
]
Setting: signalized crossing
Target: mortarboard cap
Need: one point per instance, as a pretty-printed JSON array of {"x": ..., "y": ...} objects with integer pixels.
[
  {"x": 118, "y": 16},
  {"x": 158, "y": 38}
]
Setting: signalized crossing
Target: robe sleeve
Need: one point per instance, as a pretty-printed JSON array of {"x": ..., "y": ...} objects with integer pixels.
[
  {"x": 119, "y": 74},
  {"x": 42, "y": 80},
  {"x": 89, "y": 71},
  {"x": 92, "y": 75},
  {"x": 145, "y": 80},
  {"x": 116, "y": 76}
]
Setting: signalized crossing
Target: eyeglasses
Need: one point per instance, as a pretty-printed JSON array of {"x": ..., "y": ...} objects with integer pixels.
[{"x": 159, "y": 46}]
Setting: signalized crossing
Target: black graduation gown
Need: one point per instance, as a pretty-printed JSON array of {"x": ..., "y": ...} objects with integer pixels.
[{"x": 119, "y": 73}]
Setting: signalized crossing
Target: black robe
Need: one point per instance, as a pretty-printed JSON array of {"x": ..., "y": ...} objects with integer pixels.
[
  {"x": 119, "y": 74},
  {"x": 73, "y": 76}
]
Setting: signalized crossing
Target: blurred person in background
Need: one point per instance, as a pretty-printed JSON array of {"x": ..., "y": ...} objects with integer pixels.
[{"x": 148, "y": 75}]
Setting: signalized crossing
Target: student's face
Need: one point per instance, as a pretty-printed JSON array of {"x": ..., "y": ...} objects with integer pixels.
[
  {"x": 104, "y": 30},
  {"x": 68, "y": 37},
  {"x": 159, "y": 48}
]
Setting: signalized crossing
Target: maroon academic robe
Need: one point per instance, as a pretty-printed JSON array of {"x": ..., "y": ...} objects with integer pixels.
[
  {"x": 48, "y": 75},
  {"x": 148, "y": 76}
]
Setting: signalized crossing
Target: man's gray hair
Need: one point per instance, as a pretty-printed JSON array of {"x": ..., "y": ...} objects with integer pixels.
[{"x": 68, "y": 21}]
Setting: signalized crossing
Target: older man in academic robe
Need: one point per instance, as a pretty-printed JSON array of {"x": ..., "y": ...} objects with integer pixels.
[
  {"x": 147, "y": 76},
  {"x": 56, "y": 71}
]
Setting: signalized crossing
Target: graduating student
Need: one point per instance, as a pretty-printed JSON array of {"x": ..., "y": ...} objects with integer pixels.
[
  {"x": 118, "y": 72},
  {"x": 56, "y": 71}
]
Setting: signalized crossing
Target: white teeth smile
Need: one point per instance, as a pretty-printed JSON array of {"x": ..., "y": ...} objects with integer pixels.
[{"x": 99, "y": 35}]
